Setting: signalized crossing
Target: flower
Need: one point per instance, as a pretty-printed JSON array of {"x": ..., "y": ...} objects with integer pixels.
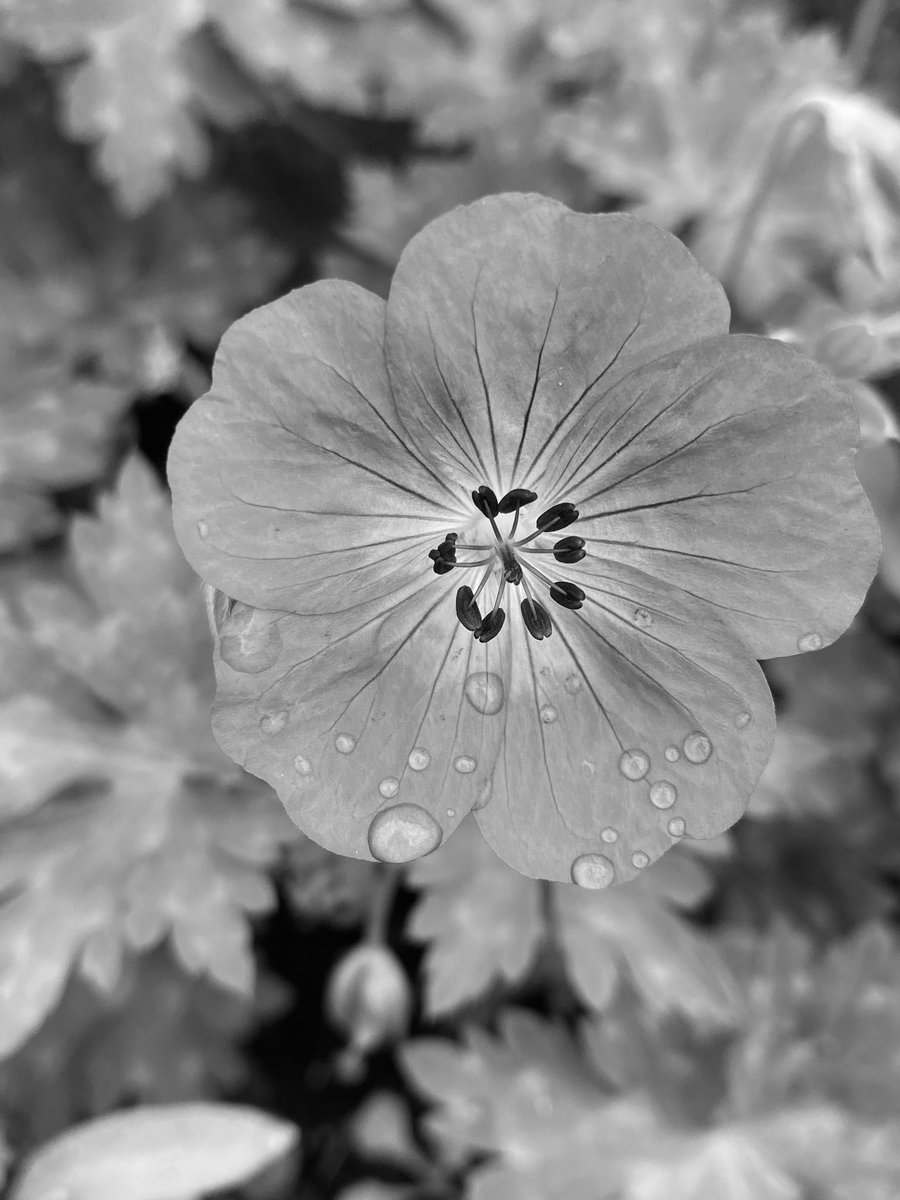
[{"x": 375, "y": 483}]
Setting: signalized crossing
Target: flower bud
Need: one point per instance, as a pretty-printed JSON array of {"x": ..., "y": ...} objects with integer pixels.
[{"x": 368, "y": 997}]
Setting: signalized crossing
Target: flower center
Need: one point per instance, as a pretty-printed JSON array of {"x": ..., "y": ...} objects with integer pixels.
[{"x": 514, "y": 560}]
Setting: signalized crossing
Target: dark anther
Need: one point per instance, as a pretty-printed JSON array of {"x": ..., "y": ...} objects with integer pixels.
[
  {"x": 515, "y": 499},
  {"x": 569, "y": 550},
  {"x": 569, "y": 595},
  {"x": 485, "y": 500},
  {"x": 513, "y": 573},
  {"x": 490, "y": 626},
  {"x": 537, "y": 619},
  {"x": 557, "y": 516},
  {"x": 467, "y": 609},
  {"x": 441, "y": 566}
]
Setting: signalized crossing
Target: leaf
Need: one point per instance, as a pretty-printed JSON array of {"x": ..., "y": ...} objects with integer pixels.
[
  {"x": 143, "y": 830},
  {"x": 165, "y": 1152},
  {"x": 466, "y": 954},
  {"x": 382, "y": 1130}
]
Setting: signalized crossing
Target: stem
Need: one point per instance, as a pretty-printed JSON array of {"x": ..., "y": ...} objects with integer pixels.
[
  {"x": 864, "y": 34},
  {"x": 382, "y": 903}
]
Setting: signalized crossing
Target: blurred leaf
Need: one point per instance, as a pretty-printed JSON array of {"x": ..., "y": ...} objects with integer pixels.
[
  {"x": 325, "y": 887},
  {"x": 166, "y": 1152},
  {"x": 382, "y": 1130}
]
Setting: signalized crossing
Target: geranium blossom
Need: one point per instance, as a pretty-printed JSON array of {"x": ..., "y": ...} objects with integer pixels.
[{"x": 513, "y": 541}]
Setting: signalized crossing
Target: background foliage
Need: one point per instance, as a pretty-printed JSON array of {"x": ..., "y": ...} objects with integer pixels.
[{"x": 725, "y": 1028}]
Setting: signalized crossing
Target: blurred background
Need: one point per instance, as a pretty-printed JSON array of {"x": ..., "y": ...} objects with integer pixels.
[{"x": 195, "y": 1000}]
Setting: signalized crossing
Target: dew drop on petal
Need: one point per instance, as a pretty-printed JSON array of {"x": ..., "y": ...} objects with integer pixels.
[
  {"x": 548, "y": 714},
  {"x": 809, "y": 641},
  {"x": 419, "y": 758},
  {"x": 302, "y": 766},
  {"x": 609, "y": 835},
  {"x": 573, "y": 684},
  {"x": 634, "y": 764},
  {"x": 345, "y": 743},
  {"x": 464, "y": 764},
  {"x": 403, "y": 833},
  {"x": 672, "y": 754},
  {"x": 451, "y": 812},
  {"x": 389, "y": 787},
  {"x": 697, "y": 747},
  {"x": 249, "y": 641},
  {"x": 639, "y": 859},
  {"x": 484, "y": 691},
  {"x": 273, "y": 722},
  {"x": 643, "y": 617},
  {"x": 677, "y": 827},
  {"x": 743, "y": 719},
  {"x": 663, "y": 794},
  {"x": 592, "y": 871},
  {"x": 203, "y": 529}
]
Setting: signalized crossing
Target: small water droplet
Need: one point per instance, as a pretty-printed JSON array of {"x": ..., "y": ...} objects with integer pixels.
[
  {"x": 672, "y": 754},
  {"x": 451, "y": 812},
  {"x": 419, "y": 758},
  {"x": 643, "y": 617},
  {"x": 639, "y": 859},
  {"x": 663, "y": 794},
  {"x": 389, "y": 787},
  {"x": 203, "y": 529},
  {"x": 484, "y": 795},
  {"x": 743, "y": 719},
  {"x": 573, "y": 684},
  {"x": 697, "y": 747},
  {"x": 592, "y": 871},
  {"x": 609, "y": 835},
  {"x": 345, "y": 743},
  {"x": 677, "y": 827},
  {"x": 634, "y": 764},
  {"x": 548, "y": 714},
  {"x": 809, "y": 641},
  {"x": 403, "y": 833},
  {"x": 464, "y": 764},
  {"x": 484, "y": 691},
  {"x": 302, "y": 766},
  {"x": 273, "y": 722},
  {"x": 249, "y": 641}
]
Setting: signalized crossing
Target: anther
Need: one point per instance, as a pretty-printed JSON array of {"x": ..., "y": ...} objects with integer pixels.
[
  {"x": 515, "y": 499},
  {"x": 485, "y": 500},
  {"x": 569, "y": 550},
  {"x": 557, "y": 516},
  {"x": 569, "y": 595},
  {"x": 490, "y": 626},
  {"x": 467, "y": 609},
  {"x": 536, "y": 618}
]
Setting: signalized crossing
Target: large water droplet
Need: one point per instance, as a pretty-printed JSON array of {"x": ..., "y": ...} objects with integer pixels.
[
  {"x": 403, "y": 833},
  {"x": 573, "y": 684},
  {"x": 697, "y": 747},
  {"x": 743, "y": 719},
  {"x": 677, "y": 827},
  {"x": 643, "y": 617},
  {"x": 809, "y": 641},
  {"x": 672, "y": 754},
  {"x": 345, "y": 743},
  {"x": 389, "y": 787},
  {"x": 250, "y": 641},
  {"x": 663, "y": 794},
  {"x": 274, "y": 722},
  {"x": 639, "y": 859},
  {"x": 484, "y": 691},
  {"x": 464, "y": 764},
  {"x": 609, "y": 835},
  {"x": 634, "y": 764},
  {"x": 548, "y": 714},
  {"x": 302, "y": 766},
  {"x": 203, "y": 529},
  {"x": 419, "y": 758},
  {"x": 592, "y": 871}
]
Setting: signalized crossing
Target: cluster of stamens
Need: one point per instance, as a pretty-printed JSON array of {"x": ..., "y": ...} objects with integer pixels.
[{"x": 514, "y": 570}]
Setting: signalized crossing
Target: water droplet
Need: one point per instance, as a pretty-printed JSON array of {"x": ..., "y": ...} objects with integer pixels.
[
  {"x": 302, "y": 766},
  {"x": 743, "y": 719},
  {"x": 573, "y": 684},
  {"x": 663, "y": 794},
  {"x": 634, "y": 764},
  {"x": 640, "y": 860},
  {"x": 464, "y": 764},
  {"x": 484, "y": 691},
  {"x": 249, "y": 641},
  {"x": 484, "y": 795},
  {"x": 419, "y": 758},
  {"x": 451, "y": 812},
  {"x": 592, "y": 871},
  {"x": 345, "y": 743},
  {"x": 809, "y": 641},
  {"x": 697, "y": 747},
  {"x": 273, "y": 722},
  {"x": 389, "y": 787},
  {"x": 643, "y": 617},
  {"x": 548, "y": 714},
  {"x": 609, "y": 835},
  {"x": 677, "y": 827},
  {"x": 203, "y": 529},
  {"x": 672, "y": 754},
  {"x": 403, "y": 833}
]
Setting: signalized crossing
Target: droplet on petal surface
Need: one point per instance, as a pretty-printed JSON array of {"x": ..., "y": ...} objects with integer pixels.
[
  {"x": 389, "y": 787},
  {"x": 643, "y": 617},
  {"x": 634, "y": 764},
  {"x": 592, "y": 871},
  {"x": 809, "y": 641},
  {"x": 609, "y": 835},
  {"x": 742, "y": 720},
  {"x": 548, "y": 714},
  {"x": 249, "y": 642},
  {"x": 484, "y": 691},
  {"x": 573, "y": 684},
  {"x": 640, "y": 860},
  {"x": 302, "y": 766},
  {"x": 677, "y": 827},
  {"x": 403, "y": 833},
  {"x": 663, "y": 794},
  {"x": 345, "y": 743},
  {"x": 464, "y": 764},
  {"x": 419, "y": 758},
  {"x": 697, "y": 747},
  {"x": 274, "y": 722},
  {"x": 672, "y": 754}
]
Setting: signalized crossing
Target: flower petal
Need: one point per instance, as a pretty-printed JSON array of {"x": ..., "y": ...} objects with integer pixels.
[
  {"x": 503, "y": 315},
  {"x": 292, "y": 486},
  {"x": 727, "y": 470},
  {"x": 634, "y": 725}
]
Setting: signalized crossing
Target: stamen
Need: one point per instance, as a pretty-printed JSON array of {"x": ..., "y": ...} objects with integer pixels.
[
  {"x": 557, "y": 516},
  {"x": 569, "y": 550},
  {"x": 467, "y": 610},
  {"x": 490, "y": 626},
  {"x": 536, "y": 618},
  {"x": 514, "y": 500},
  {"x": 569, "y": 595},
  {"x": 485, "y": 500}
]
